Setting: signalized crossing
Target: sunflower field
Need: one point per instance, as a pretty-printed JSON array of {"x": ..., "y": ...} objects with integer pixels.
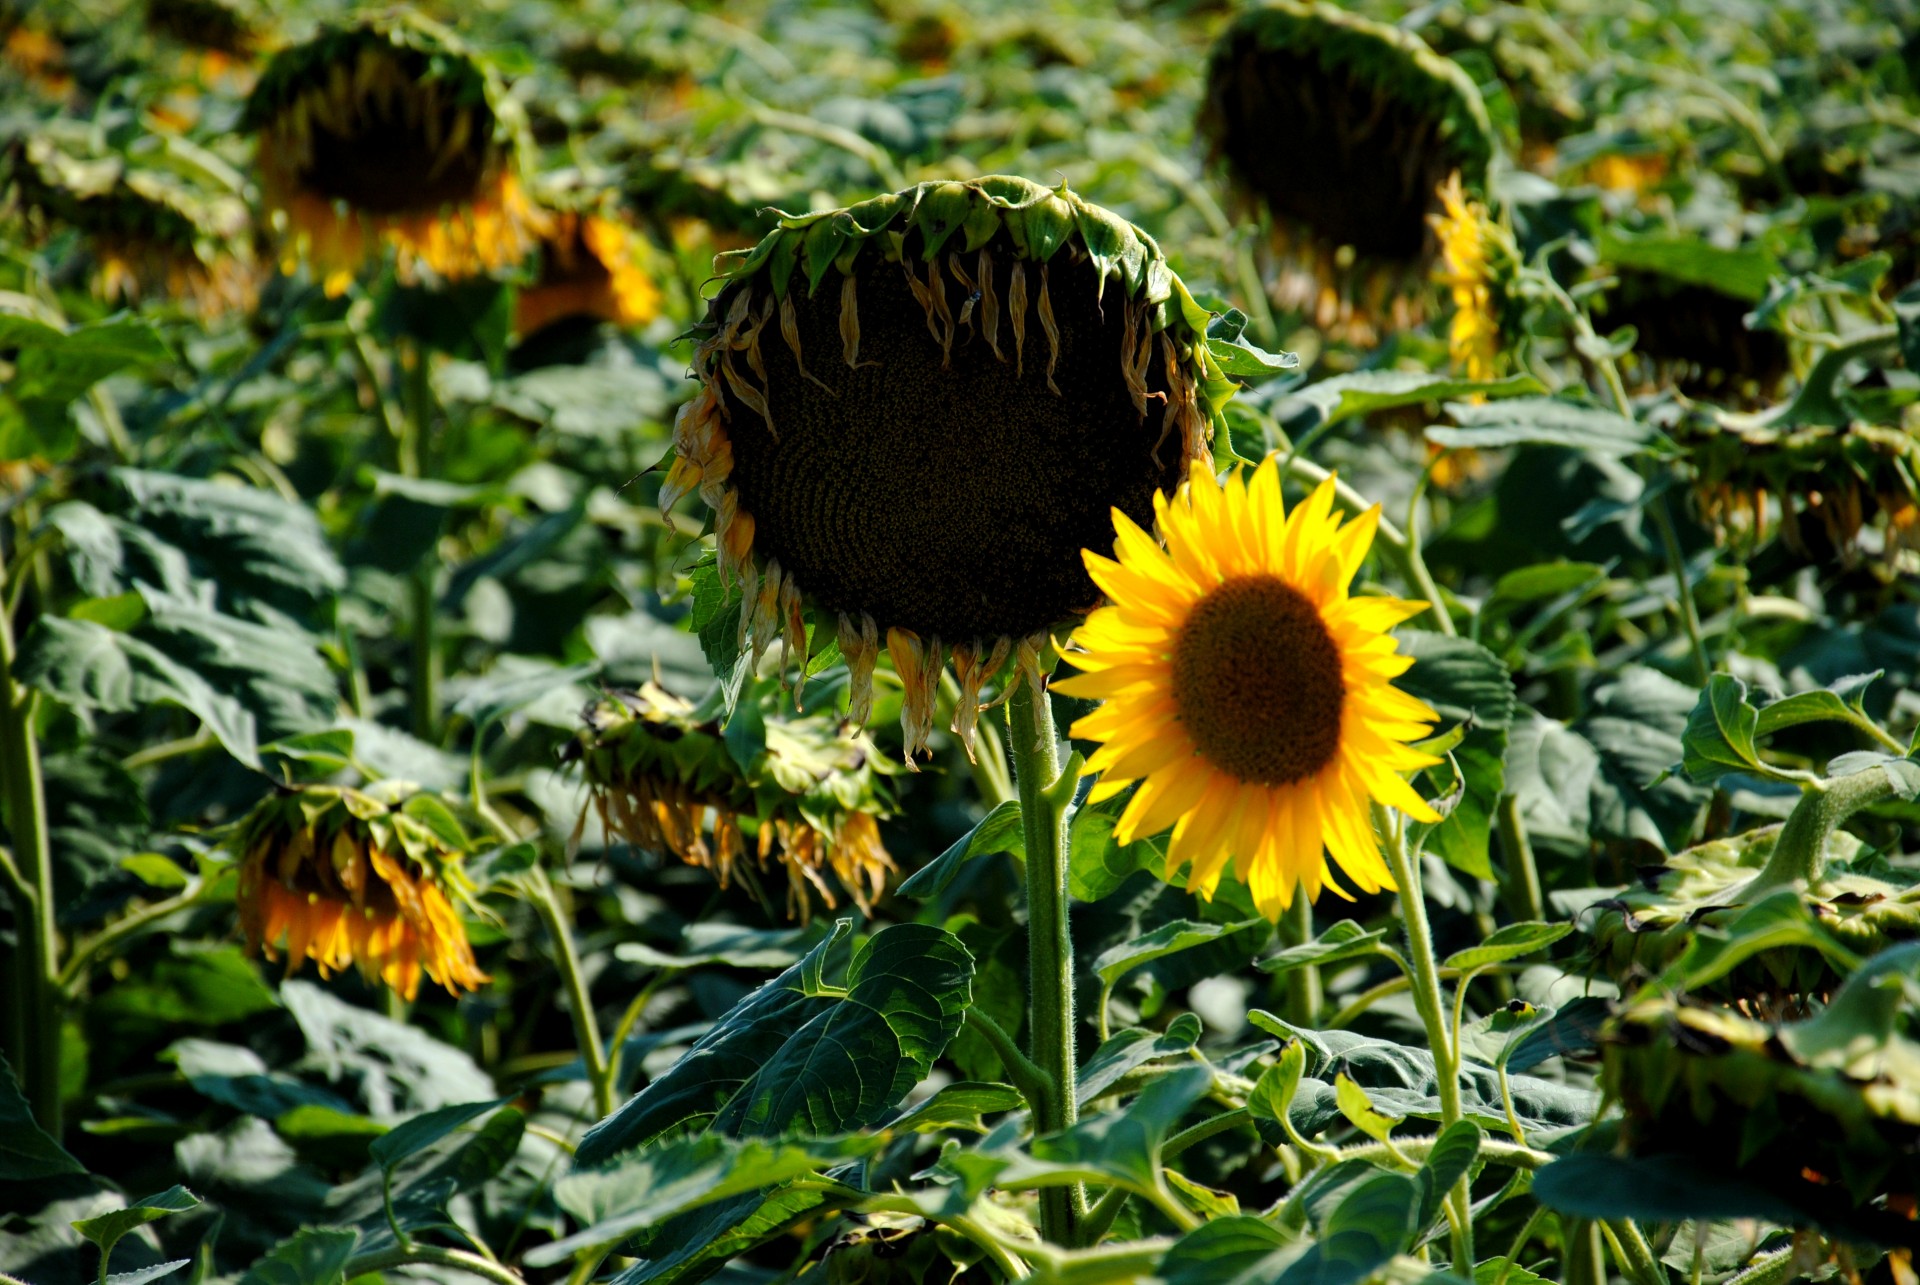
[{"x": 864, "y": 642}]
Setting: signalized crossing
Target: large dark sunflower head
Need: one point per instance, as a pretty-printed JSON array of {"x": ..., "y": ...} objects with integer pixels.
[
  {"x": 1342, "y": 130},
  {"x": 357, "y": 877},
  {"x": 1823, "y": 1112},
  {"x": 1688, "y": 302},
  {"x": 917, "y": 412},
  {"x": 390, "y": 131},
  {"x": 663, "y": 777},
  {"x": 160, "y": 217}
]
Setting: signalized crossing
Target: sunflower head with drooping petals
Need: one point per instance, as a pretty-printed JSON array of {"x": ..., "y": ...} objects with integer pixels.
[{"x": 1247, "y": 693}]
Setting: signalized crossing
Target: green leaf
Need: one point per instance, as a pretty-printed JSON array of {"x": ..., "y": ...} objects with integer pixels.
[
  {"x": 1501, "y": 1270},
  {"x": 1546, "y": 421},
  {"x": 1544, "y": 580},
  {"x": 1239, "y": 357},
  {"x": 1509, "y": 942},
  {"x": 1840, "y": 702},
  {"x": 416, "y": 1135},
  {"x": 1096, "y": 865},
  {"x": 55, "y": 367},
  {"x": 1660, "y": 1188},
  {"x": 107, "y": 1229},
  {"x": 1461, "y": 679},
  {"x": 728, "y": 945},
  {"x": 799, "y": 1049},
  {"x": 959, "y": 1106},
  {"x": 1330, "y": 400},
  {"x": 28, "y": 1153},
  {"x": 1344, "y": 940},
  {"x": 90, "y": 667},
  {"x": 252, "y": 541},
  {"x": 313, "y": 1256},
  {"x": 1168, "y": 939},
  {"x": 393, "y": 1063},
  {"x": 998, "y": 831},
  {"x": 1238, "y": 1249},
  {"x": 1125, "y": 1143},
  {"x": 1376, "y": 1220},
  {"x": 1273, "y": 1092},
  {"x": 141, "y": 1275},
  {"x": 1719, "y": 737},
  {"x": 1452, "y": 1158},
  {"x": 1742, "y": 273},
  {"x": 1131, "y": 1049},
  {"x": 1358, "y": 1108},
  {"x": 644, "y": 1189}
]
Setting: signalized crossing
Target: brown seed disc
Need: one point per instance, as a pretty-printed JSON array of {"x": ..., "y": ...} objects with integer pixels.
[
  {"x": 1257, "y": 681},
  {"x": 384, "y": 165},
  {"x": 954, "y": 501},
  {"x": 1329, "y": 150}
]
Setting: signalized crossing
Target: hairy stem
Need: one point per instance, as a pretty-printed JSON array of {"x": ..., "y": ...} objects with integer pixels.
[
  {"x": 1799, "y": 855},
  {"x": 1430, "y": 999},
  {"x": 586, "y": 1027},
  {"x": 1045, "y": 793},
  {"x": 37, "y": 943}
]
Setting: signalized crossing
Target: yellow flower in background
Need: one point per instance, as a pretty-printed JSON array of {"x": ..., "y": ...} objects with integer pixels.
[
  {"x": 390, "y": 133},
  {"x": 348, "y": 877},
  {"x": 591, "y": 265},
  {"x": 1473, "y": 337},
  {"x": 1249, "y": 695}
]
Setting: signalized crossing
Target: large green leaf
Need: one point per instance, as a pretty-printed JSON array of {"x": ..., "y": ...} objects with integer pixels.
[
  {"x": 1328, "y": 401},
  {"x": 28, "y": 1153},
  {"x": 314, "y": 1256},
  {"x": 105, "y": 1230},
  {"x": 800, "y": 1052},
  {"x": 998, "y": 831},
  {"x": 1546, "y": 421},
  {"x": 1510, "y": 941},
  {"x": 1168, "y": 939},
  {"x": 1125, "y": 1143},
  {"x": 1344, "y": 940},
  {"x": 1376, "y": 1220},
  {"x": 395, "y": 1068},
  {"x": 1239, "y": 1249}
]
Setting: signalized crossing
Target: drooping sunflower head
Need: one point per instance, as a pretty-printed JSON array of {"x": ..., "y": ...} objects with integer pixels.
[
  {"x": 234, "y": 28},
  {"x": 363, "y": 877},
  {"x": 918, "y": 411},
  {"x": 163, "y": 217},
  {"x": 1248, "y": 695},
  {"x": 593, "y": 264},
  {"x": 664, "y": 778},
  {"x": 1823, "y": 1110},
  {"x": 1476, "y": 261},
  {"x": 390, "y": 132},
  {"x": 1687, "y": 303},
  {"x": 1341, "y": 130}
]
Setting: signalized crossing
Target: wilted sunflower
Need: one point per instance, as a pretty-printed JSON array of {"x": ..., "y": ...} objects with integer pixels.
[
  {"x": 1823, "y": 484},
  {"x": 917, "y": 411},
  {"x": 1342, "y": 130},
  {"x": 1687, "y": 302},
  {"x": 391, "y": 132},
  {"x": 1246, "y": 692},
  {"x": 162, "y": 217},
  {"x": 232, "y": 29},
  {"x": 368, "y": 877},
  {"x": 664, "y": 778},
  {"x": 593, "y": 264}
]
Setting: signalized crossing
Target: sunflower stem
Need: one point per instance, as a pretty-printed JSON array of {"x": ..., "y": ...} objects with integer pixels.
[
  {"x": 1050, "y": 1012},
  {"x": 1431, "y": 1002},
  {"x": 1522, "y": 882},
  {"x": 36, "y": 959},
  {"x": 1799, "y": 854},
  {"x": 414, "y": 446},
  {"x": 1304, "y": 995},
  {"x": 586, "y": 1027},
  {"x": 1416, "y": 560}
]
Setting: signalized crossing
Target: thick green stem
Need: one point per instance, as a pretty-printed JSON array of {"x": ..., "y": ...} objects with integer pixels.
[
  {"x": 1522, "y": 883},
  {"x": 1304, "y": 995},
  {"x": 415, "y": 444},
  {"x": 1631, "y": 1251},
  {"x": 1430, "y": 1000},
  {"x": 36, "y": 952},
  {"x": 1683, "y": 589},
  {"x": 1416, "y": 562},
  {"x": 1799, "y": 854},
  {"x": 1045, "y": 793},
  {"x": 586, "y": 1027}
]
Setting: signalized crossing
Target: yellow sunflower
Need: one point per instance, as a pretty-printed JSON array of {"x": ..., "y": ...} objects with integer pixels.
[{"x": 1249, "y": 695}]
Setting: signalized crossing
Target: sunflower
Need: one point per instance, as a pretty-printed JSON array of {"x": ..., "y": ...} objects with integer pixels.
[
  {"x": 391, "y": 133},
  {"x": 917, "y": 411},
  {"x": 161, "y": 217},
  {"x": 663, "y": 777},
  {"x": 367, "y": 877},
  {"x": 592, "y": 264},
  {"x": 1246, "y": 692},
  {"x": 38, "y": 58},
  {"x": 1342, "y": 130}
]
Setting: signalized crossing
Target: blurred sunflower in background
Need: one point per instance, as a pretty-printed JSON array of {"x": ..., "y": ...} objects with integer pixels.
[
  {"x": 1249, "y": 696},
  {"x": 224, "y": 35},
  {"x": 357, "y": 877},
  {"x": 916, "y": 413},
  {"x": 163, "y": 217},
  {"x": 1341, "y": 130},
  {"x": 594, "y": 265},
  {"x": 664, "y": 778},
  {"x": 391, "y": 133}
]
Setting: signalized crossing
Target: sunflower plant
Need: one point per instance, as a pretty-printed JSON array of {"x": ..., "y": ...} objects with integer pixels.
[{"x": 806, "y": 641}]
